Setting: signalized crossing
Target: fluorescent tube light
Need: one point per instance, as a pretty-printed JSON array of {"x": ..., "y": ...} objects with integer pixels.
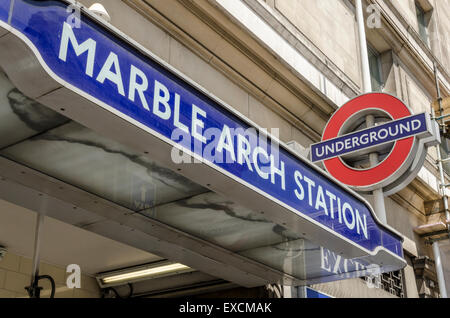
[{"x": 149, "y": 271}]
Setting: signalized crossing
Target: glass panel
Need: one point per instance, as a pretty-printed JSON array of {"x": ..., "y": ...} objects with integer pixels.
[
  {"x": 291, "y": 257},
  {"x": 21, "y": 117},
  {"x": 96, "y": 164},
  {"x": 218, "y": 220}
]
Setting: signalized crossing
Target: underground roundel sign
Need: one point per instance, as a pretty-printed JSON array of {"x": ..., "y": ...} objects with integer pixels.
[{"x": 398, "y": 137}]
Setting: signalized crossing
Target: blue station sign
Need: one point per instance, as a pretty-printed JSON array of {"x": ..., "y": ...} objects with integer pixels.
[{"x": 142, "y": 89}]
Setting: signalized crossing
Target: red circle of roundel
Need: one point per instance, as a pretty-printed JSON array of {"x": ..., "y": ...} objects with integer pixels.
[{"x": 360, "y": 178}]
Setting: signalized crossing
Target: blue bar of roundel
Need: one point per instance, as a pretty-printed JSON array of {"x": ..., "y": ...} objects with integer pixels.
[
  {"x": 315, "y": 147},
  {"x": 42, "y": 22}
]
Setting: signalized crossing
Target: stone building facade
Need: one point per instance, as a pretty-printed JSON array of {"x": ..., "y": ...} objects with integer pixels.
[{"x": 289, "y": 64}]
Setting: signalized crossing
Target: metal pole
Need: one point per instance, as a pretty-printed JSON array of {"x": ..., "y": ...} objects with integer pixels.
[
  {"x": 438, "y": 151},
  {"x": 34, "y": 290},
  {"x": 436, "y": 252},
  {"x": 443, "y": 187},
  {"x": 441, "y": 117},
  {"x": 301, "y": 292},
  {"x": 378, "y": 197},
  {"x": 367, "y": 84},
  {"x": 439, "y": 270},
  {"x": 37, "y": 242}
]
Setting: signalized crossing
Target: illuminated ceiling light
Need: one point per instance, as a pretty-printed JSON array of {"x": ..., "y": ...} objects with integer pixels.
[{"x": 144, "y": 272}]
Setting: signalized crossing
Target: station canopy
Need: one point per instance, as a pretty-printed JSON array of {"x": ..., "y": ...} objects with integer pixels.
[{"x": 290, "y": 223}]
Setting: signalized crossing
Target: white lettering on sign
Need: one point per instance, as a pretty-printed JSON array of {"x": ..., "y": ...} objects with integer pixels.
[
  {"x": 266, "y": 165},
  {"x": 89, "y": 45},
  {"x": 113, "y": 76},
  {"x": 163, "y": 103},
  {"x": 327, "y": 150},
  {"x": 140, "y": 88},
  {"x": 336, "y": 264},
  {"x": 318, "y": 199}
]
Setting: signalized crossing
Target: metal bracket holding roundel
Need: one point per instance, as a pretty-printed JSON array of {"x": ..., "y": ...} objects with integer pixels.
[{"x": 400, "y": 137}]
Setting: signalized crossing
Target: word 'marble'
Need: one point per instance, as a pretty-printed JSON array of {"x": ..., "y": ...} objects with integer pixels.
[
  {"x": 138, "y": 83},
  {"x": 158, "y": 102}
]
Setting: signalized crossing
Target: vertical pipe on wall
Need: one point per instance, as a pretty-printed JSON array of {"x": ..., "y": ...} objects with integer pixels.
[
  {"x": 37, "y": 244},
  {"x": 364, "y": 56},
  {"x": 34, "y": 290},
  {"x": 439, "y": 270},
  {"x": 443, "y": 189},
  {"x": 378, "y": 197},
  {"x": 439, "y": 155}
]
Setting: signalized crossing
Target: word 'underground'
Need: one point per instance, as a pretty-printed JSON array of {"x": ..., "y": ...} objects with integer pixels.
[{"x": 370, "y": 137}]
